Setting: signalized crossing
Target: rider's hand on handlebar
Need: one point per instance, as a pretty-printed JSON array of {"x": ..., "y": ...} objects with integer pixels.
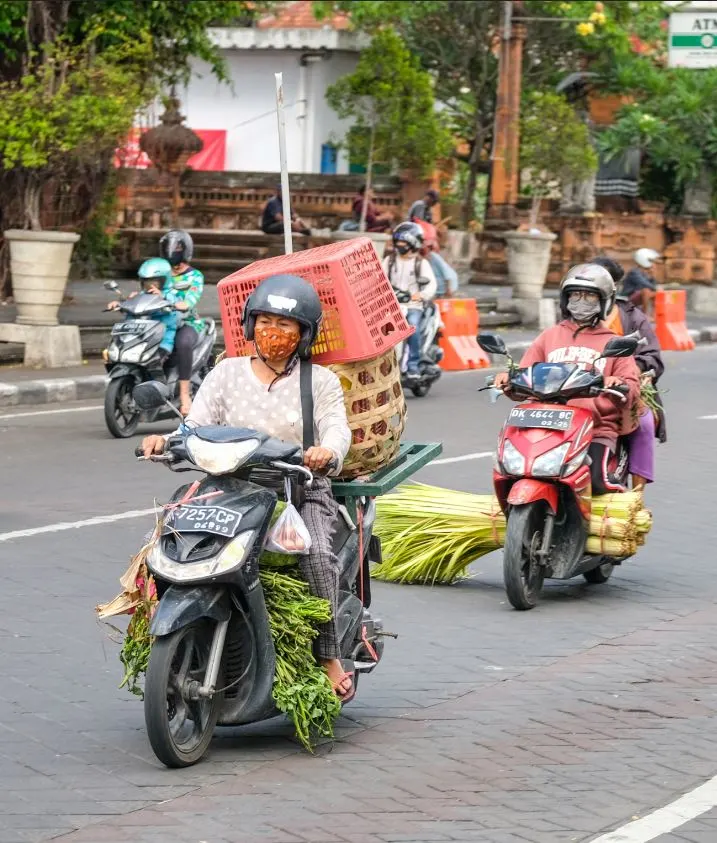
[
  {"x": 181, "y": 305},
  {"x": 501, "y": 380},
  {"x": 610, "y": 382},
  {"x": 153, "y": 445},
  {"x": 317, "y": 458},
  {"x": 113, "y": 305},
  {"x": 416, "y": 297}
]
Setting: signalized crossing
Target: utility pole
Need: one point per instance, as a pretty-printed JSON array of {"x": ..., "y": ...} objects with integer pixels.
[{"x": 505, "y": 158}]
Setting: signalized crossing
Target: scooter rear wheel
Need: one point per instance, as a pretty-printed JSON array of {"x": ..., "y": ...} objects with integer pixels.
[
  {"x": 180, "y": 728},
  {"x": 523, "y": 574},
  {"x": 121, "y": 413}
]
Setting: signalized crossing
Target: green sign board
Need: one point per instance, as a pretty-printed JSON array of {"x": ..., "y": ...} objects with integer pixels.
[{"x": 693, "y": 38}]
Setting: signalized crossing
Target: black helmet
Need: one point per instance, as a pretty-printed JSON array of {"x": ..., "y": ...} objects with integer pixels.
[
  {"x": 289, "y": 296},
  {"x": 176, "y": 246},
  {"x": 592, "y": 278},
  {"x": 409, "y": 232}
]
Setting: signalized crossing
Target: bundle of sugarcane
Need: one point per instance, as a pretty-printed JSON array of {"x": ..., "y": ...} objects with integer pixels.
[
  {"x": 431, "y": 535},
  {"x": 618, "y": 525}
]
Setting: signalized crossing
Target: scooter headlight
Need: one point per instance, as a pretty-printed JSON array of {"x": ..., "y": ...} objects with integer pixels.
[
  {"x": 232, "y": 556},
  {"x": 219, "y": 457},
  {"x": 134, "y": 354},
  {"x": 550, "y": 463},
  {"x": 575, "y": 463},
  {"x": 513, "y": 461},
  {"x": 113, "y": 353}
]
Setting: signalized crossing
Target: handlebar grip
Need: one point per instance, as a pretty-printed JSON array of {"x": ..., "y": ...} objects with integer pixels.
[{"x": 621, "y": 387}]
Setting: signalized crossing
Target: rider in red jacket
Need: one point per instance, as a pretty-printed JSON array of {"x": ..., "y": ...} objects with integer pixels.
[{"x": 587, "y": 294}]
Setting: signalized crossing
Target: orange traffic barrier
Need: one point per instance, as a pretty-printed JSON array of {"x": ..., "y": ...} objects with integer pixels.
[
  {"x": 458, "y": 336},
  {"x": 670, "y": 321}
]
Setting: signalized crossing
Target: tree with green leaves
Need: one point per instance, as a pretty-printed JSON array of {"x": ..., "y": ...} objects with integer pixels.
[
  {"x": 555, "y": 146},
  {"x": 73, "y": 76},
  {"x": 389, "y": 99},
  {"x": 456, "y": 41}
]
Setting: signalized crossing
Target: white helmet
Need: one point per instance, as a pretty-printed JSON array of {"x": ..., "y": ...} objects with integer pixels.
[
  {"x": 646, "y": 257},
  {"x": 593, "y": 278}
]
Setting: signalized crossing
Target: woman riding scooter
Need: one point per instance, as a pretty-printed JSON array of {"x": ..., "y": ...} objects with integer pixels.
[
  {"x": 185, "y": 288},
  {"x": 273, "y": 392},
  {"x": 587, "y": 295},
  {"x": 627, "y": 318},
  {"x": 410, "y": 273}
]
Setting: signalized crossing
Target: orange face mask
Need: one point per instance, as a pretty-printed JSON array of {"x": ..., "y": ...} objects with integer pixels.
[{"x": 276, "y": 344}]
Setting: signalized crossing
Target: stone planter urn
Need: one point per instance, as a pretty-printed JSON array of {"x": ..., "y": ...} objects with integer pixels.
[
  {"x": 528, "y": 262},
  {"x": 39, "y": 266},
  {"x": 379, "y": 239}
]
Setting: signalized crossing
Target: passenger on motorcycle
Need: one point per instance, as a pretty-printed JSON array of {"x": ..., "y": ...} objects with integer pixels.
[
  {"x": 264, "y": 392},
  {"x": 185, "y": 288},
  {"x": 587, "y": 294},
  {"x": 627, "y": 318},
  {"x": 411, "y": 274}
]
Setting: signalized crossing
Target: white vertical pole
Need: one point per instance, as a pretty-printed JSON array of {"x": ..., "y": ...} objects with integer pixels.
[{"x": 285, "y": 197}]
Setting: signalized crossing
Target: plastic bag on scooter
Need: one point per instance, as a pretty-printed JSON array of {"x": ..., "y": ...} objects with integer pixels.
[{"x": 288, "y": 534}]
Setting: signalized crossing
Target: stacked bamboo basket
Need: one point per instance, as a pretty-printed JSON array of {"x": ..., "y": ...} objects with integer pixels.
[{"x": 431, "y": 535}]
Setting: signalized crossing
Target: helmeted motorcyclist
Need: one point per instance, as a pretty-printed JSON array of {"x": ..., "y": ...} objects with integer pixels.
[
  {"x": 411, "y": 273},
  {"x": 639, "y": 285},
  {"x": 186, "y": 286},
  {"x": 627, "y": 318},
  {"x": 274, "y": 391},
  {"x": 587, "y": 294}
]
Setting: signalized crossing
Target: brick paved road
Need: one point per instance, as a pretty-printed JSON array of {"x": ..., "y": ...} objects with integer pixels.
[{"x": 482, "y": 724}]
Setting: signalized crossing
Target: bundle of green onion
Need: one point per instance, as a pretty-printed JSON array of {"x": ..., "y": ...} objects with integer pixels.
[
  {"x": 431, "y": 535},
  {"x": 302, "y": 690}
]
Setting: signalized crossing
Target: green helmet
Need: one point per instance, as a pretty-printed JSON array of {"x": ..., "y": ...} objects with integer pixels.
[{"x": 155, "y": 268}]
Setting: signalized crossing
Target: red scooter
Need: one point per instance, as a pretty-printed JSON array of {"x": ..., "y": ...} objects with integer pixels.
[{"x": 542, "y": 472}]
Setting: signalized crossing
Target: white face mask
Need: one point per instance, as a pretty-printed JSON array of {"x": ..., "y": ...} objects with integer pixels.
[{"x": 583, "y": 311}]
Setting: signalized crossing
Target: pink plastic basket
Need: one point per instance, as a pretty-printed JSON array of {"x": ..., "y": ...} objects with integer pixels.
[{"x": 362, "y": 317}]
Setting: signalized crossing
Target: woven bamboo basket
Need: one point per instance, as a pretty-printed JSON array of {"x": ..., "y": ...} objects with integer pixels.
[{"x": 376, "y": 410}]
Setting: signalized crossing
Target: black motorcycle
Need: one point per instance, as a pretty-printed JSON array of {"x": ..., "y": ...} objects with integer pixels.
[
  {"x": 132, "y": 357},
  {"x": 213, "y": 659}
]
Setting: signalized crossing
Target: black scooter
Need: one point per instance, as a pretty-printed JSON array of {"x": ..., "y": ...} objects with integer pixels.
[
  {"x": 132, "y": 357},
  {"x": 213, "y": 659}
]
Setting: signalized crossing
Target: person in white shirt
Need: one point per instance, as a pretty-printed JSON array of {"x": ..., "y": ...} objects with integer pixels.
[
  {"x": 263, "y": 392},
  {"x": 411, "y": 274}
]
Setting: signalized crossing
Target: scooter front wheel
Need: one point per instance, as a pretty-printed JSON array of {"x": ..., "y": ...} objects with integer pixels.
[
  {"x": 523, "y": 574},
  {"x": 179, "y": 722},
  {"x": 121, "y": 413}
]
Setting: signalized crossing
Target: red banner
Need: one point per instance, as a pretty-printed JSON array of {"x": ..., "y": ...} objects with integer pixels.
[{"x": 212, "y": 156}]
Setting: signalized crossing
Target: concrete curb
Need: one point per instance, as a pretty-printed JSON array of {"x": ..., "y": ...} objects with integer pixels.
[
  {"x": 60, "y": 390},
  {"x": 52, "y": 390}
]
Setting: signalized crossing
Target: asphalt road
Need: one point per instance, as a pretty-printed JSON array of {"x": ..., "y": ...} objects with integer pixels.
[{"x": 481, "y": 724}]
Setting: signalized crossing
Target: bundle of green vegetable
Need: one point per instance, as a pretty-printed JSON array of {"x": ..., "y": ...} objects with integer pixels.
[
  {"x": 431, "y": 535},
  {"x": 302, "y": 690}
]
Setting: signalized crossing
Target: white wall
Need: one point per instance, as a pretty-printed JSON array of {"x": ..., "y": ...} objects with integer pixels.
[{"x": 247, "y": 111}]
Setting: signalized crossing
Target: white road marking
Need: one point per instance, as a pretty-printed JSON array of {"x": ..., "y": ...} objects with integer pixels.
[
  {"x": 50, "y": 412},
  {"x": 710, "y": 418},
  {"x": 139, "y": 513},
  {"x": 481, "y": 455},
  {"x": 667, "y": 819},
  {"x": 76, "y": 525}
]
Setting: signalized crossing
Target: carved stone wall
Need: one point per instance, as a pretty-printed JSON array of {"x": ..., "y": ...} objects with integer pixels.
[{"x": 689, "y": 244}]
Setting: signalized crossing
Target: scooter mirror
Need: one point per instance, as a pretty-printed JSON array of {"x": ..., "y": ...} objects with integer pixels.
[
  {"x": 111, "y": 285},
  {"x": 620, "y": 347},
  {"x": 492, "y": 343},
  {"x": 150, "y": 395}
]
